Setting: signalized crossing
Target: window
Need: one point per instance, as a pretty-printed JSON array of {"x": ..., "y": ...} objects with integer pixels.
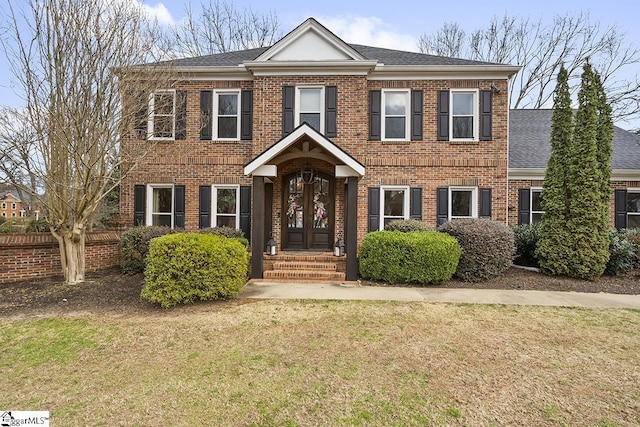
[
  {"x": 536, "y": 210},
  {"x": 226, "y": 202},
  {"x": 4, "y": 214},
  {"x": 13, "y": 206},
  {"x": 162, "y": 107},
  {"x": 394, "y": 204},
  {"x": 226, "y": 124},
  {"x": 4, "y": 205},
  {"x": 160, "y": 203},
  {"x": 395, "y": 108},
  {"x": 13, "y": 214},
  {"x": 633, "y": 208},
  {"x": 310, "y": 107},
  {"x": 464, "y": 115},
  {"x": 463, "y": 202},
  {"x": 22, "y": 212}
]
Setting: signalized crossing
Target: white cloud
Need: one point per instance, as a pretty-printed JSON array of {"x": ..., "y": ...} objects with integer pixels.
[
  {"x": 159, "y": 12},
  {"x": 370, "y": 31}
]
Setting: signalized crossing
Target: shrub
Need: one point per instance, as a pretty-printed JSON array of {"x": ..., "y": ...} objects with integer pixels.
[
  {"x": 633, "y": 235},
  {"x": 414, "y": 257},
  {"x": 184, "y": 267},
  {"x": 487, "y": 247},
  {"x": 407, "y": 225},
  {"x": 37, "y": 226},
  {"x": 135, "y": 247},
  {"x": 526, "y": 238},
  {"x": 229, "y": 232},
  {"x": 622, "y": 253}
]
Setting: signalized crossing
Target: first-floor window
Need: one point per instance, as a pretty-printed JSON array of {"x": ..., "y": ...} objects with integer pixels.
[
  {"x": 633, "y": 208},
  {"x": 463, "y": 202},
  {"x": 536, "y": 210},
  {"x": 226, "y": 202},
  {"x": 160, "y": 201},
  {"x": 394, "y": 204}
]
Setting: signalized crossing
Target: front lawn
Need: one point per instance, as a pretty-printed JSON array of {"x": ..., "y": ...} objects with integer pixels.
[{"x": 300, "y": 363}]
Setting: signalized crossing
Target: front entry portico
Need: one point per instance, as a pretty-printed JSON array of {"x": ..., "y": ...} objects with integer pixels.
[{"x": 304, "y": 200}]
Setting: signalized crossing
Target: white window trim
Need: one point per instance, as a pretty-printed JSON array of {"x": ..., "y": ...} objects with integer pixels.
[
  {"x": 384, "y": 188},
  {"x": 214, "y": 203},
  {"x": 152, "y": 115},
  {"x": 474, "y": 202},
  {"x": 634, "y": 190},
  {"x": 149, "y": 207},
  {"x": 531, "y": 211},
  {"x": 4, "y": 205},
  {"x": 215, "y": 114},
  {"x": 322, "y": 106},
  {"x": 407, "y": 122},
  {"x": 476, "y": 114},
  {"x": 13, "y": 206}
]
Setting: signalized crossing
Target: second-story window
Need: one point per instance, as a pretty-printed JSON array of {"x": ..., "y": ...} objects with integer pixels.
[
  {"x": 226, "y": 124},
  {"x": 310, "y": 106},
  {"x": 162, "y": 117},
  {"x": 464, "y": 115},
  {"x": 395, "y": 109}
]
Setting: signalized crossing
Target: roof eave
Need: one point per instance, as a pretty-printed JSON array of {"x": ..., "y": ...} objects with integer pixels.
[
  {"x": 490, "y": 71},
  {"x": 260, "y": 68},
  {"x": 535, "y": 174}
]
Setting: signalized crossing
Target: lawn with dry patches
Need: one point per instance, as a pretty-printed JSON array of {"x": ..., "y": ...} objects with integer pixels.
[{"x": 310, "y": 363}]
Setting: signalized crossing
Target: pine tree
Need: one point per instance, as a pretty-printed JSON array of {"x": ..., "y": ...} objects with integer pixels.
[
  {"x": 554, "y": 247},
  {"x": 589, "y": 236}
]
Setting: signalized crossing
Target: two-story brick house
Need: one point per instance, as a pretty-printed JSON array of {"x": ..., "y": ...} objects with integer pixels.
[{"x": 313, "y": 140}]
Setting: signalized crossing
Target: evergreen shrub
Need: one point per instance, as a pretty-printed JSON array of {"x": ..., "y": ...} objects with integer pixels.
[
  {"x": 422, "y": 257},
  {"x": 229, "y": 232},
  {"x": 407, "y": 225},
  {"x": 622, "y": 253},
  {"x": 526, "y": 238},
  {"x": 134, "y": 247},
  {"x": 185, "y": 267},
  {"x": 487, "y": 246}
]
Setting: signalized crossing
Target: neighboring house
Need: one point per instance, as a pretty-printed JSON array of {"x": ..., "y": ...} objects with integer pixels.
[
  {"x": 529, "y": 151},
  {"x": 13, "y": 207},
  {"x": 313, "y": 140}
]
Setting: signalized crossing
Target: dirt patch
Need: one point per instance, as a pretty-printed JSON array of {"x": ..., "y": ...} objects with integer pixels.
[{"x": 111, "y": 293}]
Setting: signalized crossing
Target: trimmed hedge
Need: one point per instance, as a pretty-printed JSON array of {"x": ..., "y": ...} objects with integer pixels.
[
  {"x": 185, "y": 267},
  {"x": 487, "y": 246},
  {"x": 407, "y": 225},
  {"x": 526, "y": 239},
  {"x": 415, "y": 257}
]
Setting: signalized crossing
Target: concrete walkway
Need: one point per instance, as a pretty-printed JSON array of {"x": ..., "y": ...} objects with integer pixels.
[{"x": 273, "y": 290}]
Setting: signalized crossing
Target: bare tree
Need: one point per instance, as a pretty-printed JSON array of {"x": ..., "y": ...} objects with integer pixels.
[
  {"x": 62, "y": 53},
  {"x": 541, "y": 48},
  {"x": 219, "y": 27}
]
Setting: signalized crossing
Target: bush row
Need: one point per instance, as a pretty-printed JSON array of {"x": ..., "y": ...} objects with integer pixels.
[{"x": 184, "y": 267}]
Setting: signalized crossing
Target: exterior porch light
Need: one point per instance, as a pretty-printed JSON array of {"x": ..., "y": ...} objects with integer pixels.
[
  {"x": 271, "y": 246},
  {"x": 338, "y": 249}
]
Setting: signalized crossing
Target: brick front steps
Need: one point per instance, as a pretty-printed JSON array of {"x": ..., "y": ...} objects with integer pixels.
[{"x": 304, "y": 267}]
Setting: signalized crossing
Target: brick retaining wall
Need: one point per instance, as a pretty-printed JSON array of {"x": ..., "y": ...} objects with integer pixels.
[{"x": 34, "y": 255}]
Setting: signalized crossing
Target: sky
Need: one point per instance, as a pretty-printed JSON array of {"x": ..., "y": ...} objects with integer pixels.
[{"x": 398, "y": 24}]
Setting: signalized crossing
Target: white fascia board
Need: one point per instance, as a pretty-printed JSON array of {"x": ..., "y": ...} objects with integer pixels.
[
  {"x": 280, "y": 68},
  {"x": 625, "y": 175},
  {"x": 439, "y": 72},
  {"x": 526, "y": 174},
  {"x": 266, "y": 170}
]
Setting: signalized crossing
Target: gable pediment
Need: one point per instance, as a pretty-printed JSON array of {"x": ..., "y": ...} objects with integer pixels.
[{"x": 310, "y": 41}]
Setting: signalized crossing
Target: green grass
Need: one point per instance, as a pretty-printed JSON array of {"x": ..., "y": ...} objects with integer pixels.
[{"x": 301, "y": 363}]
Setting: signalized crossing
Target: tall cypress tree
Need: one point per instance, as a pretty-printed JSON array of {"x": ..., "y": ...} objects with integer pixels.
[
  {"x": 589, "y": 235},
  {"x": 554, "y": 247},
  {"x": 604, "y": 145}
]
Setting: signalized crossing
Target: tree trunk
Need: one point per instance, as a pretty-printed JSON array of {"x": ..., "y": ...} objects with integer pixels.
[{"x": 71, "y": 244}]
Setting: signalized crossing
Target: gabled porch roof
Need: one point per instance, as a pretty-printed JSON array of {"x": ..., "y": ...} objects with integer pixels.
[{"x": 260, "y": 165}]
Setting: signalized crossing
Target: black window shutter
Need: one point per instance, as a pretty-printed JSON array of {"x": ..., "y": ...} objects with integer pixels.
[
  {"x": 416, "y": 115},
  {"x": 442, "y": 205},
  {"x": 205, "y": 207},
  {"x": 206, "y": 105},
  {"x": 485, "y": 203},
  {"x": 331, "y": 113},
  {"x": 288, "y": 105},
  {"x": 141, "y": 119},
  {"x": 621, "y": 208},
  {"x": 524, "y": 206},
  {"x": 486, "y": 98},
  {"x": 181, "y": 114},
  {"x": 374, "y": 209},
  {"x": 138, "y": 204},
  {"x": 246, "y": 119},
  {"x": 443, "y": 115},
  {"x": 245, "y": 210},
  {"x": 415, "y": 200},
  {"x": 178, "y": 208},
  {"x": 375, "y": 117}
]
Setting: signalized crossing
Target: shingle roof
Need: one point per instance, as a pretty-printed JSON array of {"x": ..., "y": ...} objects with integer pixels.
[
  {"x": 384, "y": 56},
  {"x": 529, "y": 142}
]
